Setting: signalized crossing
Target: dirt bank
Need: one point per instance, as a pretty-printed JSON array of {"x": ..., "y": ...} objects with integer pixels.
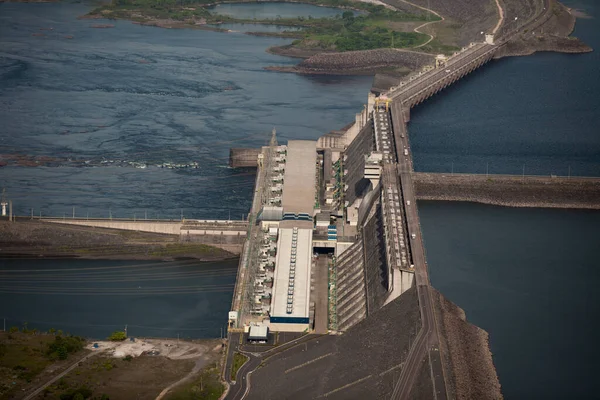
[
  {"x": 32, "y": 238},
  {"x": 512, "y": 191},
  {"x": 468, "y": 364}
]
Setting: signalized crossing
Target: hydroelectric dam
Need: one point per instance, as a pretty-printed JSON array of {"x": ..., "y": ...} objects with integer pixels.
[{"x": 332, "y": 278}]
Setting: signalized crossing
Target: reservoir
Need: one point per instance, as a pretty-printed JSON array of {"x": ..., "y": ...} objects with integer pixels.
[
  {"x": 529, "y": 277},
  {"x": 93, "y": 298},
  {"x": 537, "y": 114}
]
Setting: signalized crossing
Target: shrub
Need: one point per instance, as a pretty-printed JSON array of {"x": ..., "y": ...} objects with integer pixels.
[{"x": 117, "y": 336}]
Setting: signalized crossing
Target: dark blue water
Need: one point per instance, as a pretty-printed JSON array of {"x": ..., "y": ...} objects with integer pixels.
[
  {"x": 94, "y": 298},
  {"x": 529, "y": 277},
  {"x": 109, "y": 98},
  {"x": 538, "y": 112},
  {"x": 274, "y": 10}
]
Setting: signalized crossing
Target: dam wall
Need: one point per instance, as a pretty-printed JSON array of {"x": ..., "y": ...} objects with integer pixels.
[
  {"x": 169, "y": 228},
  {"x": 377, "y": 277},
  {"x": 226, "y": 235},
  {"x": 351, "y": 305},
  {"x": 354, "y": 163}
]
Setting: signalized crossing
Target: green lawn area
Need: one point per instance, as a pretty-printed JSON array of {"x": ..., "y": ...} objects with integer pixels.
[
  {"x": 206, "y": 386},
  {"x": 238, "y": 361}
]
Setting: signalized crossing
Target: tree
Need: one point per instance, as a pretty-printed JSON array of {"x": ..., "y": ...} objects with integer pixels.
[
  {"x": 52, "y": 331},
  {"x": 14, "y": 329}
]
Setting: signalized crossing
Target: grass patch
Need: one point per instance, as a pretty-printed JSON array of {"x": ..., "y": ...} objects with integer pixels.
[
  {"x": 176, "y": 249},
  {"x": 238, "y": 361},
  {"x": 25, "y": 354},
  {"x": 206, "y": 386},
  {"x": 435, "y": 46}
]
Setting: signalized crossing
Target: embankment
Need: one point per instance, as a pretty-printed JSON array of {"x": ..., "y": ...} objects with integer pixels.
[
  {"x": 468, "y": 364},
  {"x": 32, "y": 238},
  {"x": 510, "y": 190},
  {"x": 360, "y": 62}
]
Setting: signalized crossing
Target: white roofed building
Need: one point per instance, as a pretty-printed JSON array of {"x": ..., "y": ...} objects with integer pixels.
[{"x": 290, "y": 304}]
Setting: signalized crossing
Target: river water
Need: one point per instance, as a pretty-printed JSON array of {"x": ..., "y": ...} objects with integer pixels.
[
  {"x": 109, "y": 98},
  {"x": 133, "y": 96},
  {"x": 96, "y": 297}
]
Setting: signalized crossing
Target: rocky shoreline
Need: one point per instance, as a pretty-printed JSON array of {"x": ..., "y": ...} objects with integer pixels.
[
  {"x": 510, "y": 191},
  {"x": 38, "y": 239},
  {"x": 468, "y": 364},
  {"x": 366, "y": 62}
]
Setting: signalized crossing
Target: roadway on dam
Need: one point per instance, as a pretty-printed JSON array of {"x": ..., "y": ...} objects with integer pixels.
[{"x": 427, "y": 339}]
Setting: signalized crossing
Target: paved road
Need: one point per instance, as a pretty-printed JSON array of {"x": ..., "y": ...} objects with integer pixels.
[
  {"x": 427, "y": 339},
  {"x": 240, "y": 387}
]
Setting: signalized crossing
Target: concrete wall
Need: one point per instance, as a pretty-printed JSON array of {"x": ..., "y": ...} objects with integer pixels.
[
  {"x": 354, "y": 163},
  {"x": 351, "y": 306},
  {"x": 376, "y": 273},
  {"x": 170, "y": 228},
  {"x": 231, "y": 239},
  {"x": 288, "y": 327},
  {"x": 241, "y": 157}
]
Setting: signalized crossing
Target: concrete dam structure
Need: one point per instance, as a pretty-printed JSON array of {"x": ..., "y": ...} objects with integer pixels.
[{"x": 227, "y": 235}]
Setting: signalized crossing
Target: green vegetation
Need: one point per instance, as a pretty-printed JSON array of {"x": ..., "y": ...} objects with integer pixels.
[
  {"x": 238, "y": 361},
  {"x": 206, "y": 386},
  {"x": 61, "y": 347},
  {"x": 26, "y": 353},
  {"x": 374, "y": 29},
  {"x": 438, "y": 48},
  {"x": 177, "y": 249},
  {"x": 64, "y": 391},
  {"x": 117, "y": 336}
]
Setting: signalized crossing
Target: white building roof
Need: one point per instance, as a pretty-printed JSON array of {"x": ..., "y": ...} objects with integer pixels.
[
  {"x": 300, "y": 295},
  {"x": 299, "y": 184},
  {"x": 258, "y": 332}
]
